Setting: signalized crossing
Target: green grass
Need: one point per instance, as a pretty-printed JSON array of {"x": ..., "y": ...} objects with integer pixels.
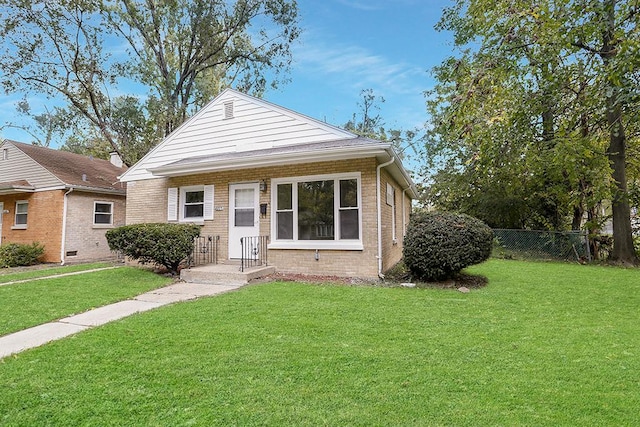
[
  {"x": 9, "y": 274},
  {"x": 543, "y": 344},
  {"x": 23, "y": 305}
]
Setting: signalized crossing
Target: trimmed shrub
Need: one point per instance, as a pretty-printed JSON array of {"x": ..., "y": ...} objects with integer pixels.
[
  {"x": 165, "y": 245},
  {"x": 438, "y": 245},
  {"x": 19, "y": 255}
]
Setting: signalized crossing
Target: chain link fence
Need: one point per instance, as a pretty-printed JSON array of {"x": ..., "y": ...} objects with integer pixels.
[{"x": 542, "y": 245}]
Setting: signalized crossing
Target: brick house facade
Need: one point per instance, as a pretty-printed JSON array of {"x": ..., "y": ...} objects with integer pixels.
[
  {"x": 331, "y": 202},
  {"x": 62, "y": 200}
]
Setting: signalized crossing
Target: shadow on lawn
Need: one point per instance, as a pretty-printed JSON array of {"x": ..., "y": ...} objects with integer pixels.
[
  {"x": 395, "y": 277},
  {"x": 400, "y": 274}
]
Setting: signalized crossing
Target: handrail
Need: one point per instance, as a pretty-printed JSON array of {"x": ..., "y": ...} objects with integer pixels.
[
  {"x": 253, "y": 251},
  {"x": 205, "y": 251}
]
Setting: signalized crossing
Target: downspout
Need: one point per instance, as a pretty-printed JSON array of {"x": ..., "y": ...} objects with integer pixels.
[
  {"x": 64, "y": 225},
  {"x": 380, "y": 166}
]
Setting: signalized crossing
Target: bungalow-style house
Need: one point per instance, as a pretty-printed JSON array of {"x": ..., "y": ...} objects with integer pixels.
[
  {"x": 331, "y": 202},
  {"x": 62, "y": 200}
]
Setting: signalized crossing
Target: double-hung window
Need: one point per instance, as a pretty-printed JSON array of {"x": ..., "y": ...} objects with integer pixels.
[
  {"x": 22, "y": 207},
  {"x": 192, "y": 207},
  {"x": 190, "y": 204},
  {"x": 317, "y": 212},
  {"x": 102, "y": 213}
]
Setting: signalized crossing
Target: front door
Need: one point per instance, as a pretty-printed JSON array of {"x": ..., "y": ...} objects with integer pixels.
[
  {"x": 244, "y": 220},
  {"x": 1, "y": 215}
]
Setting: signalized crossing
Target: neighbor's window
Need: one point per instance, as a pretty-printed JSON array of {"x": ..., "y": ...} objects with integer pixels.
[
  {"x": 192, "y": 206},
  {"x": 103, "y": 213},
  {"x": 21, "y": 213},
  {"x": 323, "y": 209}
]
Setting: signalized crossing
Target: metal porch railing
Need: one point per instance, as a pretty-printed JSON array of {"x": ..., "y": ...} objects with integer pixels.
[
  {"x": 254, "y": 251},
  {"x": 205, "y": 251}
]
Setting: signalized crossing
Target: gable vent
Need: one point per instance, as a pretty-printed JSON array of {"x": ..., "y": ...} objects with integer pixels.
[{"x": 228, "y": 110}]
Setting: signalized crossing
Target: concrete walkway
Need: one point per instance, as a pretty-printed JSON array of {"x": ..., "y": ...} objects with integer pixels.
[{"x": 42, "y": 334}]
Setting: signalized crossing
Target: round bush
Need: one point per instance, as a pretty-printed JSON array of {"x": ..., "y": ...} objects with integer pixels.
[{"x": 438, "y": 245}]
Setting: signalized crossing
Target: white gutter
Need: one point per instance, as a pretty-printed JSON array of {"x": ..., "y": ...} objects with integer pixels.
[
  {"x": 379, "y": 206},
  {"x": 256, "y": 160},
  {"x": 64, "y": 226}
]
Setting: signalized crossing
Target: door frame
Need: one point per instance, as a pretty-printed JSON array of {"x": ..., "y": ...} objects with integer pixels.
[
  {"x": 235, "y": 233},
  {"x": 1, "y": 215}
]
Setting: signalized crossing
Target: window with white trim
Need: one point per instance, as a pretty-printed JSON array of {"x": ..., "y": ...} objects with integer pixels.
[
  {"x": 102, "y": 213},
  {"x": 391, "y": 201},
  {"x": 22, "y": 207},
  {"x": 318, "y": 210},
  {"x": 190, "y": 204}
]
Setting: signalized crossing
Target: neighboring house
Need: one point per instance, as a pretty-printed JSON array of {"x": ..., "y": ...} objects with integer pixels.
[
  {"x": 331, "y": 202},
  {"x": 62, "y": 200}
]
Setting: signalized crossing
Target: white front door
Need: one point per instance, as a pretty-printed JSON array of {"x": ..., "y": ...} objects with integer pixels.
[
  {"x": 244, "y": 219},
  {"x": 1, "y": 215}
]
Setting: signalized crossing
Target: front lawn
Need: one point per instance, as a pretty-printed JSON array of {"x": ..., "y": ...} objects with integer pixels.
[
  {"x": 542, "y": 344},
  {"x": 23, "y": 305}
]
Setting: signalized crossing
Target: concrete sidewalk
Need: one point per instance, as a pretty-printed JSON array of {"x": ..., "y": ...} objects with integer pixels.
[{"x": 42, "y": 334}]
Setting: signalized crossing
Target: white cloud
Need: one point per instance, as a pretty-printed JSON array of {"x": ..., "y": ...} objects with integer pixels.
[{"x": 357, "y": 67}]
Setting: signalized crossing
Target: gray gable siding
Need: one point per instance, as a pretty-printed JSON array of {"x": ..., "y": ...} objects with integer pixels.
[{"x": 19, "y": 166}]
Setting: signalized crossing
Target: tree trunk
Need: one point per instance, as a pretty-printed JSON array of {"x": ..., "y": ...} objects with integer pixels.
[{"x": 623, "y": 250}]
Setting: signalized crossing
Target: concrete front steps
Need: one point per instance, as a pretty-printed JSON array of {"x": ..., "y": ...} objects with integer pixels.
[{"x": 224, "y": 274}]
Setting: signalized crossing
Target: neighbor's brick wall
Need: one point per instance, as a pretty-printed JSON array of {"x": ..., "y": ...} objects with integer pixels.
[
  {"x": 44, "y": 221},
  {"x": 147, "y": 202},
  {"x": 82, "y": 236}
]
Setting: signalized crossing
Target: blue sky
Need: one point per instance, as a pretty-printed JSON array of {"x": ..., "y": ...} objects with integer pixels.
[{"x": 348, "y": 46}]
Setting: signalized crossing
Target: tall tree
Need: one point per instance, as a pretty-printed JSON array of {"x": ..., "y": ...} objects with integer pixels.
[
  {"x": 176, "y": 55},
  {"x": 367, "y": 122},
  {"x": 571, "y": 63},
  {"x": 43, "y": 127}
]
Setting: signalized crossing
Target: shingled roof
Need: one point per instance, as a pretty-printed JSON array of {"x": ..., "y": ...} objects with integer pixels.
[{"x": 75, "y": 170}]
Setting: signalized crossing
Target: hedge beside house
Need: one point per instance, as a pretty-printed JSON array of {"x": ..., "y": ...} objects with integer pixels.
[
  {"x": 19, "y": 255},
  {"x": 166, "y": 245}
]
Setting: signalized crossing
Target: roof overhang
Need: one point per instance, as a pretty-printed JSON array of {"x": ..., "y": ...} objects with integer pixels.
[
  {"x": 16, "y": 187},
  {"x": 98, "y": 190},
  {"x": 383, "y": 152}
]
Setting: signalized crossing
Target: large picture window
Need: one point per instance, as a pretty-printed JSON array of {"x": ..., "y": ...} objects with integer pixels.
[{"x": 317, "y": 211}]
